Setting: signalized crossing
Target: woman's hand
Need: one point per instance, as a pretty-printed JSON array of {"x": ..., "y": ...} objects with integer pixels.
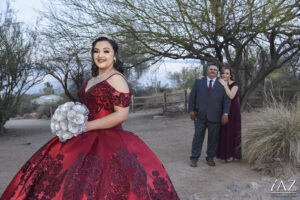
[{"x": 224, "y": 83}]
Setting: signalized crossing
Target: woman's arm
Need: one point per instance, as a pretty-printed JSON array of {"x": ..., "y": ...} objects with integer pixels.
[
  {"x": 230, "y": 93},
  {"x": 119, "y": 115}
]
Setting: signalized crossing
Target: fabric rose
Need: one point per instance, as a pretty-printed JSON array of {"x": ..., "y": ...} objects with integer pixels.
[{"x": 69, "y": 120}]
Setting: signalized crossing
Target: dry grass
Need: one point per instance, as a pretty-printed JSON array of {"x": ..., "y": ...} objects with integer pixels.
[{"x": 272, "y": 142}]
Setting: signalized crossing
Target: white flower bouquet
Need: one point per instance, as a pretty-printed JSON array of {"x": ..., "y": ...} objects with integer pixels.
[{"x": 69, "y": 120}]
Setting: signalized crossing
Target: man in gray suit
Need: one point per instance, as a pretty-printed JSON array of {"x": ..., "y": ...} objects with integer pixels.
[{"x": 209, "y": 106}]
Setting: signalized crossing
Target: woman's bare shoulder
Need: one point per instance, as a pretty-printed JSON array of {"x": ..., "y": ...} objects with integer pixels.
[{"x": 119, "y": 82}]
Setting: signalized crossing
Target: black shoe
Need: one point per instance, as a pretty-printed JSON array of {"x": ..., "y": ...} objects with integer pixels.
[
  {"x": 193, "y": 163},
  {"x": 211, "y": 163}
]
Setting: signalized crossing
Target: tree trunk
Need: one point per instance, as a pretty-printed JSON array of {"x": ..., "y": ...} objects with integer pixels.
[
  {"x": 245, "y": 96},
  {"x": 69, "y": 94},
  {"x": 2, "y": 123},
  {"x": 261, "y": 75}
]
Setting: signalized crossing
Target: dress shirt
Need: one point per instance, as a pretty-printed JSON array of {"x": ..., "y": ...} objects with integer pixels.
[{"x": 213, "y": 82}]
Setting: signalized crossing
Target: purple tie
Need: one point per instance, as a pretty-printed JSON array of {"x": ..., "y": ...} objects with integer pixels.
[{"x": 210, "y": 85}]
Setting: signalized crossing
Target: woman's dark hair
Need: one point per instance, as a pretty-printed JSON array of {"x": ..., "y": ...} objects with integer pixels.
[
  {"x": 230, "y": 70},
  {"x": 117, "y": 64}
]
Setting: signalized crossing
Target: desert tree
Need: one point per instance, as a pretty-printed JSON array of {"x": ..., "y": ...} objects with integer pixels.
[
  {"x": 208, "y": 30},
  {"x": 185, "y": 78},
  {"x": 18, "y": 68},
  {"x": 68, "y": 32}
]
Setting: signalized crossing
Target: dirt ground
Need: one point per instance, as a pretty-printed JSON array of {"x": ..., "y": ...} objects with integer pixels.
[{"x": 170, "y": 138}]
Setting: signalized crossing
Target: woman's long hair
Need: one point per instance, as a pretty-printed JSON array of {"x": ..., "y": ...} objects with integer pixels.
[
  {"x": 117, "y": 63},
  {"x": 230, "y": 70}
]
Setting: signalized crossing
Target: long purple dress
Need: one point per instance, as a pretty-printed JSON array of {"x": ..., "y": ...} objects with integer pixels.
[{"x": 230, "y": 134}]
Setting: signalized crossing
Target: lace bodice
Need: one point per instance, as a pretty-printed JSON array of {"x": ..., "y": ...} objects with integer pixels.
[{"x": 101, "y": 98}]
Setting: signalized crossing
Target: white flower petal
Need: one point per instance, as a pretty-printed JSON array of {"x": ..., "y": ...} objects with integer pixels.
[
  {"x": 67, "y": 106},
  {"x": 73, "y": 128},
  {"x": 59, "y": 133},
  {"x": 52, "y": 125},
  {"x": 59, "y": 115},
  {"x": 55, "y": 115},
  {"x": 79, "y": 119},
  {"x": 57, "y": 126},
  {"x": 79, "y": 108},
  {"x": 67, "y": 135},
  {"x": 64, "y": 125},
  {"x": 71, "y": 113}
]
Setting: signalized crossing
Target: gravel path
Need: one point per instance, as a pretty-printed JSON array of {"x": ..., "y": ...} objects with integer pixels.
[{"x": 170, "y": 139}]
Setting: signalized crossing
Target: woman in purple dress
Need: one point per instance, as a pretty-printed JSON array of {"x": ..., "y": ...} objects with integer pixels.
[{"x": 230, "y": 135}]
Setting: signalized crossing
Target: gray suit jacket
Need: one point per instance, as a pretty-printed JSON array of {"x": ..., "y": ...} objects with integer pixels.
[{"x": 206, "y": 104}]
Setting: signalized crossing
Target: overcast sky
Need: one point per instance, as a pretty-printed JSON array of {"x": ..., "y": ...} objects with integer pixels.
[{"x": 25, "y": 9}]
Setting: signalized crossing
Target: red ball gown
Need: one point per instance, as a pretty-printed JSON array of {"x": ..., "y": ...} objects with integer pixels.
[{"x": 109, "y": 164}]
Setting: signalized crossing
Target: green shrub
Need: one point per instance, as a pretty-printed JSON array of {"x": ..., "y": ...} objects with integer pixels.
[
  {"x": 44, "y": 110},
  {"x": 25, "y": 105},
  {"x": 186, "y": 77}
]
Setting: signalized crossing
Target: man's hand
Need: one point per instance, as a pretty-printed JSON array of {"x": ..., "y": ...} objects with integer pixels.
[
  {"x": 224, "y": 119},
  {"x": 193, "y": 115}
]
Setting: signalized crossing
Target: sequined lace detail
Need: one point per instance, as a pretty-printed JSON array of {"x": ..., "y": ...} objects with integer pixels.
[
  {"x": 42, "y": 176},
  {"x": 84, "y": 177},
  {"x": 161, "y": 190},
  {"x": 102, "y": 96},
  {"x": 125, "y": 168}
]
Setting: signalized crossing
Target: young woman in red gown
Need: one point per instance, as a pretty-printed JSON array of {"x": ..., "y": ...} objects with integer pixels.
[
  {"x": 106, "y": 162},
  {"x": 229, "y": 146}
]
